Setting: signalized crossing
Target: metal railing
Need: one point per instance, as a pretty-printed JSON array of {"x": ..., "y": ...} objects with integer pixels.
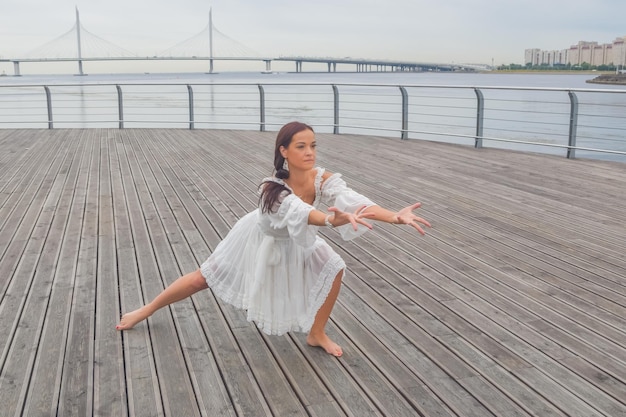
[{"x": 545, "y": 119}]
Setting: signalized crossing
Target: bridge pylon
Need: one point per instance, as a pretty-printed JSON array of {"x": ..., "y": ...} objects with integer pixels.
[
  {"x": 211, "y": 40},
  {"x": 80, "y": 52}
]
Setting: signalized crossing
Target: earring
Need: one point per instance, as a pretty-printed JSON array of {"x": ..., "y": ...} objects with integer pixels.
[{"x": 286, "y": 165}]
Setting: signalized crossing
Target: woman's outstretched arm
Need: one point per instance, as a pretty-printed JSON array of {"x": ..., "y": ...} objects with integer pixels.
[{"x": 403, "y": 216}]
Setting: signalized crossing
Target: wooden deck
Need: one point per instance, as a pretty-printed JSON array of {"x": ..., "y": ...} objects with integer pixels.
[{"x": 514, "y": 304}]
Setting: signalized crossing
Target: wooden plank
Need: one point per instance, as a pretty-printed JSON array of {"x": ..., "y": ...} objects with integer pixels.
[
  {"x": 21, "y": 206},
  {"x": 499, "y": 376},
  {"x": 559, "y": 375},
  {"x": 423, "y": 353},
  {"x": 313, "y": 394},
  {"x": 396, "y": 368},
  {"x": 567, "y": 402},
  {"x": 277, "y": 392},
  {"x": 611, "y": 383},
  {"x": 21, "y": 312},
  {"x": 110, "y": 395},
  {"x": 142, "y": 385},
  {"x": 534, "y": 273},
  {"x": 18, "y": 149},
  {"x": 155, "y": 264},
  {"x": 74, "y": 398},
  {"x": 42, "y": 396}
]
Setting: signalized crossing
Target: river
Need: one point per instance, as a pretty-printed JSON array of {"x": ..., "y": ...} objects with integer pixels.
[{"x": 500, "y": 79}]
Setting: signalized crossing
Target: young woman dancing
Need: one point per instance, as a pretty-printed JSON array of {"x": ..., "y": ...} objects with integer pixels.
[{"x": 272, "y": 263}]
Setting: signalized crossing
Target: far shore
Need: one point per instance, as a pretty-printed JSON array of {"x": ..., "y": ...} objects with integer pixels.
[
  {"x": 601, "y": 77},
  {"x": 555, "y": 72}
]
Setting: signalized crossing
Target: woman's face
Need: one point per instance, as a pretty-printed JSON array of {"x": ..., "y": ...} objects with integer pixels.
[{"x": 300, "y": 154}]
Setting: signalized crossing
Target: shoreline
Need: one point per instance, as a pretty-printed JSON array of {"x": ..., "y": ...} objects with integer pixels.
[
  {"x": 602, "y": 77},
  {"x": 555, "y": 72},
  {"x": 613, "y": 79}
]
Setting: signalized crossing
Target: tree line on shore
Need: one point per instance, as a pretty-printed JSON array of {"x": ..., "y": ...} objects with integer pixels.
[{"x": 560, "y": 67}]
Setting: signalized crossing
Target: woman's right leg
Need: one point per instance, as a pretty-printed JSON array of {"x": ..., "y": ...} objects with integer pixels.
[
  {"x": 182, "y": 288},
  {"x": 317, "y": 335}
]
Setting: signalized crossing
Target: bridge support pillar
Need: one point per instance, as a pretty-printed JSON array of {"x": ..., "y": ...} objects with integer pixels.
[
  {"x": 268, "y": 65},
  {"x": 16, "y": 68},
  {"x": 80, "y": 67}
]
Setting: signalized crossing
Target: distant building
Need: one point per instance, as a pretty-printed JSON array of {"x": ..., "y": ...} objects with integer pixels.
[
  {"x": 583, "y": 52},
  {"x": 599, "y": 55},
  {"x": 532, "y": 56},
  {"x": 619, "y": 52}
]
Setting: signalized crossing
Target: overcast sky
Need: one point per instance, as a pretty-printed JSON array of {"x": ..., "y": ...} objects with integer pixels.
[{"x": 460, "y": 31}]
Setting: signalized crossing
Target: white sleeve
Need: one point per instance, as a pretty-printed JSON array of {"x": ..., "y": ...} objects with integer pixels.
[{"x": 335, "y": 192}]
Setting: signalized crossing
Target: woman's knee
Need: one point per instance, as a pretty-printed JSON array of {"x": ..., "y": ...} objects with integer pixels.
[
  {"x": 198, "y": 281},
  {"x": 338, "y": 277}
]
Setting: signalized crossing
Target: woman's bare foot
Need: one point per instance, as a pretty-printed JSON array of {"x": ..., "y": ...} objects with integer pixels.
[
  {"x": 325, "y": 343},
  {"x": 132, "y": 318}
]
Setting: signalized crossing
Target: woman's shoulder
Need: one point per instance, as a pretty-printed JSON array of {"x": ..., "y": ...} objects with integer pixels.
[
  {"x": 329, "y": 177},
  {"x": 272, "y": 179},
  {"x": 324, "y": 174},
  {"x": 331, "y": 183}
]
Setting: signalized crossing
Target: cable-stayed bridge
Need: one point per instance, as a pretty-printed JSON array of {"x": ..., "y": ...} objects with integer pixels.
[{"x": 79, "y": 45}]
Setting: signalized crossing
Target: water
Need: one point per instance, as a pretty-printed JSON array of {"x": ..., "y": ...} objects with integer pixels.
[
  {"x": 545, "y": 80},
  {"x": 520, "y": 115}
]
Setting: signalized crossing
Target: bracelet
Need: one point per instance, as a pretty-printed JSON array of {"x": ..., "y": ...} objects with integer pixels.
[{"x": 327, "y": 221}]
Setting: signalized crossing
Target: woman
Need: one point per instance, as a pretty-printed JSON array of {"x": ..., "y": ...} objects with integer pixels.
[{"x": 272, "y": 263}]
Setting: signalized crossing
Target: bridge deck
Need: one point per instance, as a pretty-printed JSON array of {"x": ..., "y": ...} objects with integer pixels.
[{"x": 513, "y": 305}]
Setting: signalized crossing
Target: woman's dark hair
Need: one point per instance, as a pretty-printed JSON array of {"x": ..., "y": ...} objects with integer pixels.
[{"x": 270, "y": 189}]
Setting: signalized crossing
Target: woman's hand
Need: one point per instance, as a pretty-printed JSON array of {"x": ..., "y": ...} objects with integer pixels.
[
  {"x": 406, "y": 216},
  {"x": 358, "y": 217}
]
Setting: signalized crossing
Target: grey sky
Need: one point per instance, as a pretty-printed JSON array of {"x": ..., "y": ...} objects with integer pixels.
[{"x": 470, "y": 31}]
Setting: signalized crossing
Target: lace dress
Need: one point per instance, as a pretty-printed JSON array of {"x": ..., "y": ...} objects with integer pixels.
[{"x": 275, "y": 266}]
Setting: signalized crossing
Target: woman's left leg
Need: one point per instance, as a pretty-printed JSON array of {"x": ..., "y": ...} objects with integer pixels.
[
  {"x": 182, "y": 288},
  {"x": 317, "y": 335}
]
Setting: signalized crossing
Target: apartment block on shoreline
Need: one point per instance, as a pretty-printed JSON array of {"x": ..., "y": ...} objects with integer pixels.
[{"x": 584, "y": 52}]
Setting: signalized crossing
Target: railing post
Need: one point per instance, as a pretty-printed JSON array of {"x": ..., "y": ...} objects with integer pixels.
[
  {"x": 120, "y": 107},
  {"x": 573, "y": 124},
  {"x": 261, "y": 107},
  {"x": 480, "y": 117},
  {"x": 405, "y": 113},
  {"x": 335, "y": 110},
  {"x": 191, "y": 114},
  {"x": 49, "y": 106}
]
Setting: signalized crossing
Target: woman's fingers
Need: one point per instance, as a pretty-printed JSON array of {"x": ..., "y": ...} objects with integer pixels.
[
  {"x": 423, "y": 221},
  {"x": 364, "y": 223}
]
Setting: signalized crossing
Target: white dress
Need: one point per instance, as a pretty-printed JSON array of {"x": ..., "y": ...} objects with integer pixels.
[{"x": 275, "y": 266}]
